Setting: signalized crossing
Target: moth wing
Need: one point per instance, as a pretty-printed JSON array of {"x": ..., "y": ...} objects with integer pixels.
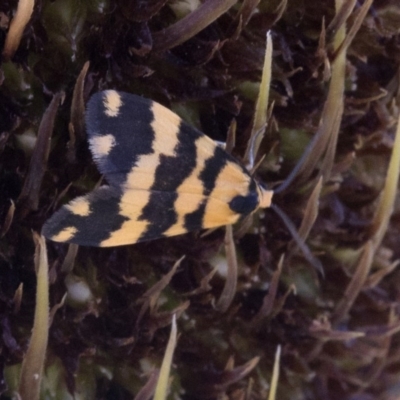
[
  {"x": 166, "y": 178},
  {"x": 140, "y": 144},
  {"x": 86, "y": 220},
  {"x": 106, "y": 218},
  {"x": 131, "y": 136}
]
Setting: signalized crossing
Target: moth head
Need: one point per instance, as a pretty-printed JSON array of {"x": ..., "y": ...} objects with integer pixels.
[{"x": 265, "y": 196}]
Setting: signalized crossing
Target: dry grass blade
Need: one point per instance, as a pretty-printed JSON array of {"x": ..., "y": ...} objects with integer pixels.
[
  {"x": 76, "y": 126},
  {"x": 246, "y": 11},
  {"x": 383, "y": 343},
  {"x": 280, "y": 9},
  {"x": 328, "y": 160},
  {"x": 260, "y": 115},
  {"x": 229, "y": 289},
  {"x": 163, "y": 379},
  {"x": 150, "y": 298},
  {"x": 326, "y": 136},
  {"x": 17, "y": 26},
  {"x": 337, "y": 336},
  {"x": 32, "y": 366},
  {"x": 374, "y": 279},
  {"x": 311, "y": 211},
  {"x": 231, "y": 137},
  {"x": 238, "y": 373},
  {"x": 275, "y": 375},
  {"x": 338, "y": 76},
  {"x": 325, "y": 139},
  {"x": 190, "y": 25},
  {"x": 356, "y": 284},
  {"x": 386, "y": 203},
  {"x": 147, "y": 391},
  {"x": 8, "y": 220},
  {"x": 56, "y": 307},
  {"x": 29, "y": 197},
  {"x": 269, "y": 299},
  {"x": 354, "y": 29},
  {"x": 383, "y": 331},
  {"x": 18, "y": 298},
  {"x": 343, "y": 13},
  {"x": 155, "y": 290},
  {"x": 69, "y": 260},
  {"x": 280, "y": 302}
]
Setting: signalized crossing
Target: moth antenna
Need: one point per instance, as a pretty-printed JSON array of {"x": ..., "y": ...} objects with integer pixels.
[
  {"x": 299, "y": 241},
  {"x": 298, "y": 167}
]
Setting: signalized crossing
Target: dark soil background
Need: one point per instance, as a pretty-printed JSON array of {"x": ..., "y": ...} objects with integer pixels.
[{"x": 103, "y": 347}]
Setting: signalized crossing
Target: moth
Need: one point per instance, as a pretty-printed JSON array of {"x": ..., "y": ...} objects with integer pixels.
[{"x": 164, "y": 178}]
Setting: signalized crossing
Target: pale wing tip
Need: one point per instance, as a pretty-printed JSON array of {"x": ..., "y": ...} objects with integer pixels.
[{"x": 54, "y": 228}]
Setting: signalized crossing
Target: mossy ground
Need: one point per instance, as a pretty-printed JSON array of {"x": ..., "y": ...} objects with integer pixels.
[{"x": 103, "y": 346}]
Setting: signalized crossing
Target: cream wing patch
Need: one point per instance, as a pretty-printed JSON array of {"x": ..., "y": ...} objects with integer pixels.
[
  {"x": 112, "y": 103},
  {"x": 80, "y": 206},
  {"x": 101, "y": 146}
]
